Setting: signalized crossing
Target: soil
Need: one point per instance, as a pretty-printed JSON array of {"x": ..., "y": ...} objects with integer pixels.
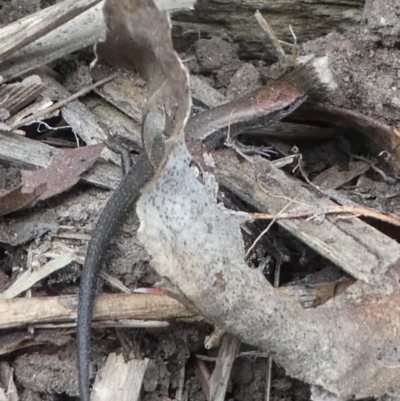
[{"x": 48, "y": 372}]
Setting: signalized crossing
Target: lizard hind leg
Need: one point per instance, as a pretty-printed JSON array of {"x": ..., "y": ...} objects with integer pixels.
[{"x": 116, "y": 144}]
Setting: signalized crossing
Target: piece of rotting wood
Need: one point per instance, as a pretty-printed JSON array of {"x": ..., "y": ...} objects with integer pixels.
[
  {"x": 353, "y": 245},
  {"x": 20, "y": 312},
  {"x": 125, "y": 94},
  {"x": 88, "y": 27},
  {"x": 334, "y": 177},
  {"x": 115, "y": 121},
  {"x": 23, "y": 32},
  {"x": 234, "y": 20}
]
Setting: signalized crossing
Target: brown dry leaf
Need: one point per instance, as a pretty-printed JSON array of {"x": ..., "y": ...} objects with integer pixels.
[
  {"x": 64, "y": 171},
  {"x": 143, "y": 29},
  {"x": 17, "y": 199}
]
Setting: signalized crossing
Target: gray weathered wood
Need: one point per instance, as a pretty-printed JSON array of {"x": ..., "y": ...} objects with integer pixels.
[
  {"x": 351, "y": 244},
  {"x": 232, "y": 20},
  {"x": 82, "y": 31},
  {"x": 19, "y": 34},
  {"x": 235, "y": 20},
  {"x": 15, "y": 96}
]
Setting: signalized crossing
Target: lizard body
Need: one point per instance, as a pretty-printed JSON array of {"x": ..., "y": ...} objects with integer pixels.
[{"x": 265, "y": 105}]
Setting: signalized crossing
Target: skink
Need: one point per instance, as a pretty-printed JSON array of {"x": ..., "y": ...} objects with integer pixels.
[{"x": 266, "y": 105}]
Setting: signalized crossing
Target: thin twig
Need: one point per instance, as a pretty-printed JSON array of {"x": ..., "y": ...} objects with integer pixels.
[
  {"x": 355, "y": 211},
  {"x": 268, "y": 379},
  {"x": 266, "y": 27},
  {"x": 268, "y": 227},
  {"x": 277, "y": 196},
  {"x": 277, "y": 276},
  {"x": 387, "y": 179}
]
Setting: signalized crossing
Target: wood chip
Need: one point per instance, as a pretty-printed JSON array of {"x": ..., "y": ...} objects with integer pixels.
[
  {"x": 125, "y": 94},
  {"x": 204, "y": 93},
  {"x": 119, "y": 380},
  {"x": 9, "y": 392},
  {"x": 220, "y": 376},
  {"x": 27, "y": 279},
  {"x": 14, "y": 97},
  {"x": 334, "y": 178}
]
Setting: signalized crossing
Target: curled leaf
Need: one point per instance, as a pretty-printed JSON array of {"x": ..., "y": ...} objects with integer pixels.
[{"x": 64, "y": 171}]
